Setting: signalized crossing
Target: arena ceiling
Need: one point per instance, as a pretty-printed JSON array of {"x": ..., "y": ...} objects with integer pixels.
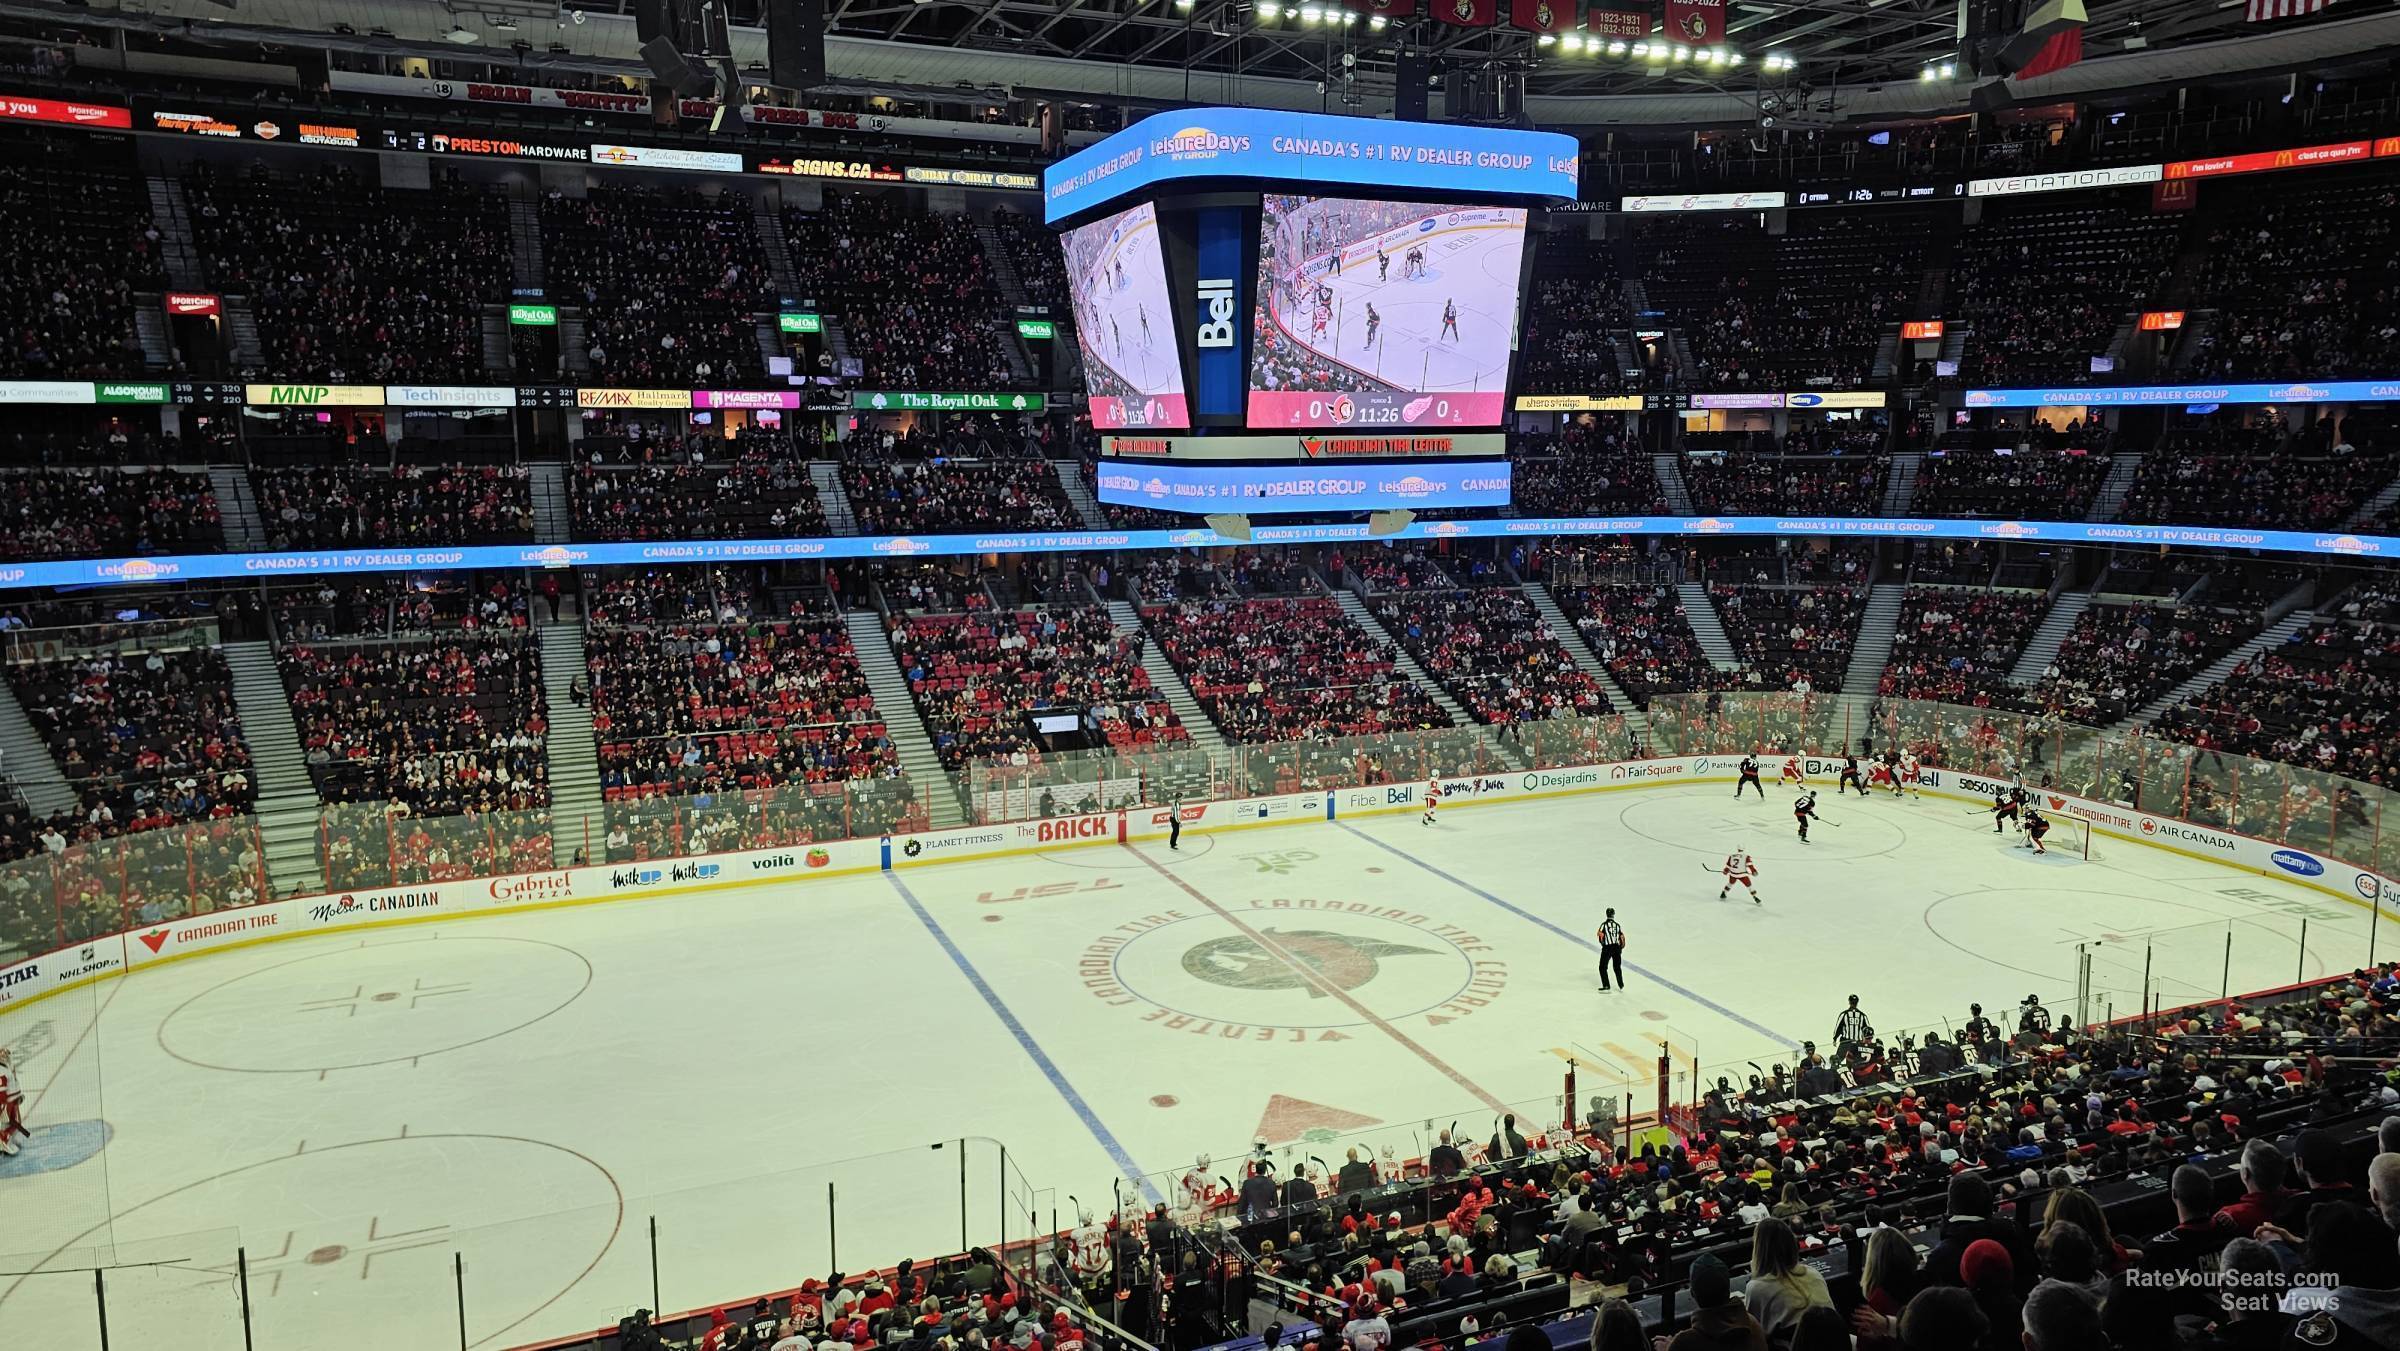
[{"x": 1273, "y": 53}]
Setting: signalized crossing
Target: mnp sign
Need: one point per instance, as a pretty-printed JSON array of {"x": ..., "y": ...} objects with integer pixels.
[{"x": 1220, "y": 317}]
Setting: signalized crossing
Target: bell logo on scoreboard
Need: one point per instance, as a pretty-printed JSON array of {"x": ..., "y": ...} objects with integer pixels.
[{"x": 1216, "y": 312}]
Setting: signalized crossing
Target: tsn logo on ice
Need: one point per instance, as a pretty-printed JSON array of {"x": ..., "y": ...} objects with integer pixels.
[
  {"x": 1216, "y": 313},
  {"x": 643, "y": 877}
]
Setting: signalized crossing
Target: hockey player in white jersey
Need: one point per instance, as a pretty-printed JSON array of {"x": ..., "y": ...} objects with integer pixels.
[{"x": 1740, "y": 870}]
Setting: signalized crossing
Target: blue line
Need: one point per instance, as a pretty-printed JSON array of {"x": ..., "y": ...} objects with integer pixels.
[
  {"x": 1032, "y": 1048},
  {"x": 1462, "y": 884}
]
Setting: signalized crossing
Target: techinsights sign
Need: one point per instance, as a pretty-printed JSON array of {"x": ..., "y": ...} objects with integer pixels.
[
  {"x": 1259, "y": 488},
  {"x": 1326, "y": 152}
]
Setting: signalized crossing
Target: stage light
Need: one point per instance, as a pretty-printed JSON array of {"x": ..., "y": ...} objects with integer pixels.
[
  {"x": 1312, "y": 14},
  {"x": 1544, "y": 40},
  {"x": 1926, "y": 75},
  {"x": 1378, "y": 23},
  {"x": 1949, "y": 70},
  {"x": 1736, "y": 58},
  {"x": 1683, "y": 53},
  {"x": 1616, "y": 48}
]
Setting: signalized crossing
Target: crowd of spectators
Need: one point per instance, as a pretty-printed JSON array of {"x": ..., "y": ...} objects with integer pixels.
[
  {"x": 1957, "y": 646},
  {"x": 343, "y": 506},
  {"x": 1642, "y": 635},
  {"x": 2226, "y": 471},
  {"x": 975, "y": 676},
  {"x": 1747, "y": 482},
  {"x": 352, "y": 282},
  {"x": 1790, "y": 638},
  {"x": 436, "y": 727},
  {"x": 2326, "y": 699},
  {"x": 1800, "y": 309},
  {"x": 1586, "y": 468},
  {"x": 1389, "y": 567},
  {"x": 76, "y": 513},
  {"x": 143, "y": 738},
  {"x": 80, "y": 244},
  {"x": 1288, "y": 669},
  {"x": 1033, "y": 250},
  {"x": 915, "y": 293},
  {"x": 906, "y": 497},
  {"x": 385, "y": 606},
  {"x": 2302, "y": 276},
  {"x": 751, "y": 485},
  {"x": 2043, "y": 285},
  {"x": 1493, "y": 652},
  {"x": 669, "y": 281},
  {"x": 2120, "y": 657},
  {"x": 668, "y": 595},
  {"x": 1573, "y": 321},
  {"x": 2022, "y": 485},
  {"x": 774, "y": 714}
]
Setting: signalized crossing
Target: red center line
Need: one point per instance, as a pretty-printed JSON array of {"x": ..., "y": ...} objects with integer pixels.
[{"x": 1323, "y": 986}]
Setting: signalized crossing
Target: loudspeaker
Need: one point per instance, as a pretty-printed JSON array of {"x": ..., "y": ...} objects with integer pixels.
[
  {"x": 796, "y": 43},
  {"x": 674, "y": 71},
  {"x": 650, "y": 21},
  {"x": 1412, "y": 84}
]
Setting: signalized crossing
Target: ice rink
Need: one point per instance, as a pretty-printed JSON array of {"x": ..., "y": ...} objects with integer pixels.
[
  {"x": 534, "y": 1090},
  {"x": 1474, "y": 266}
]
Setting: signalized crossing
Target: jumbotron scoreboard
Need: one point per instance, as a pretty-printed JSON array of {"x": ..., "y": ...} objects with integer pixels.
[{"x": 1259, "y": 294}]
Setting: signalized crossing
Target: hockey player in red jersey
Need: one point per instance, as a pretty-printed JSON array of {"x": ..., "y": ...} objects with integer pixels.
[
  {"x": 12, "y": 1108},
  {"x": 1790, "y": 773},
  {"x": 1740, "y": 870},
  {"x": 1433, "y": 799}
]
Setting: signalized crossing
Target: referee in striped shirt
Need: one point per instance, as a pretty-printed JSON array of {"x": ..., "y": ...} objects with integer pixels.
[{"x": 1612, "y": 950}]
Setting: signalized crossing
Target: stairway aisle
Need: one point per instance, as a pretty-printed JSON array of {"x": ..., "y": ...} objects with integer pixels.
[
  {"x": 25, "y": 758},
  {"x": 832, "y": 498},
  {"x": 1871, "y": 650},
  {"x": 1571, "y": 638},
  {"x": 1166, "y": 679},
  {"x": 287, "y": 795},
  {"x": 2053, "y": 630},
  {"x": 2122, "y": 470},
  {"x": 1357, "y": 609},
  {"x": 237, "y": 510},
  {"x": 898, "y": 709},
  {"x": 1900, "y": 490},
  {"x": 573, "y": 757},
  {"x": 2272, "y": 636},
  {"x": 553, "y": 518},
  {"x": 1070, "y": 482},
  {"x": 1668, "y": 469},
  {"x": 1701, "y": 613}
]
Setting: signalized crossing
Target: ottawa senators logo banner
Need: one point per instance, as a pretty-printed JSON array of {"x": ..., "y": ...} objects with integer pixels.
[
  {"x": 1468, "y": 13},
  {"x": 1541, "y": 16},
  {"x": 1695, "y": 23}
]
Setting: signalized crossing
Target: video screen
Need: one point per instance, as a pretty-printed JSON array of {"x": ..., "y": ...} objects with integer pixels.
[
  {"x": 1118, "y": 281},
  {"x": 1384, "y": 314}
]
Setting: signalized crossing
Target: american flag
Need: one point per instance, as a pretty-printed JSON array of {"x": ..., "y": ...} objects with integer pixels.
[{"x": 2262, "y": 10}]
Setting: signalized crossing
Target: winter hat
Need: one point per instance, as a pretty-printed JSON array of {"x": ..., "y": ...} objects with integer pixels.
[
  {"x": 1986, "y": 1260},
  {"x": 1711, "y": 1286}
]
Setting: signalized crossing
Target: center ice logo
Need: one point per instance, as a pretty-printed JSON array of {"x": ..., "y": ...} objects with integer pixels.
[{"x": 1240, "y": 962}]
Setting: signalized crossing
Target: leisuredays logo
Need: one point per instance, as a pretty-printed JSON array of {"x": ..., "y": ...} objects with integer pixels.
[{"x": 1199, "y": 143}]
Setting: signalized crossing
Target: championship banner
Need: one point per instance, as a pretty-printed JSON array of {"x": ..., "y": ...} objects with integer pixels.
[
  {"x": 1388, "y": 9},
  {"x": 1700, "y": 23},
  {"x": 1541, "y": 16},
  {"x": 1467, "y": 13},
  {"x": 1616, "y": 23}
]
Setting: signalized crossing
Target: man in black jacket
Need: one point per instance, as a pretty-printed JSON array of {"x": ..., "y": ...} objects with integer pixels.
[
  {"x": 1445, "y": 1160},
  {"x": 1971, "y": 1218},
  {"x": 1301, "y": 1189},
  {"x": 1258, "y": 1192}
]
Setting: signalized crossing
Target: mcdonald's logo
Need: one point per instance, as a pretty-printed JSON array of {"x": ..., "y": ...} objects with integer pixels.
[
  {"x": 2389, "y": 145},
  {"x": 2285, "y": 159}
]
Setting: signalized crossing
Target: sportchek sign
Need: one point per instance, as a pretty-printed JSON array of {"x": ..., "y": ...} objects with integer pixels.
[{"x": 63, "y": 112}]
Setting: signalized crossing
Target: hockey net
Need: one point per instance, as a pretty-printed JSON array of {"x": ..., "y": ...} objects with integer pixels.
[{"x": 2068, "y": 837}]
